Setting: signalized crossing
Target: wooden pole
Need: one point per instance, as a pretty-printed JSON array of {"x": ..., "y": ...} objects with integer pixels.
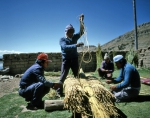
[
  {"x": 135, "y": 25},
  {"x": 51, "y": 105}
]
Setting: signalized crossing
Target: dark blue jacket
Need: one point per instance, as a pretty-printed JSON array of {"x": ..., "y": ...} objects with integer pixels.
[
  {"x": 108, "y": 66},
  {"x": 129, "y": 77},
  {"x": 68, "y": 47},
  {"x": 33, "y": 75}
]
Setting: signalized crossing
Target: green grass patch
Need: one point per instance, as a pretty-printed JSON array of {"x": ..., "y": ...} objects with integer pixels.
[
  {"x": 11, "y": 107},
  {"x": 52, "y": 73},
  {"x": 11, "y": 104},
  {"x": 144, "y": 72}
]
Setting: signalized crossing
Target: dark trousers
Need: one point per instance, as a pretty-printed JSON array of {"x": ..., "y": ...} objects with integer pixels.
[
  {"x": 34, "y": 93},
  {"x": 66, "y": 65},
  {"x": 104, "y": 74}
]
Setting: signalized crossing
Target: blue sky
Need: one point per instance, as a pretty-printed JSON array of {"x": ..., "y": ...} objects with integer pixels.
[{"x": 37, "y": 25}]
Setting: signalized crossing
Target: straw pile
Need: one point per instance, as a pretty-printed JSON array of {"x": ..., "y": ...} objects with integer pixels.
[{"x": 89, "y": 97}]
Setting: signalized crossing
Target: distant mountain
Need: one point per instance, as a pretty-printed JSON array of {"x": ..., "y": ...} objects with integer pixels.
[
  {"x": 87, "y": 48},
  {"x": 126, "y": 41}
]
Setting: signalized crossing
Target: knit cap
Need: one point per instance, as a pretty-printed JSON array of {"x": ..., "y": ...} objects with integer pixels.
[{"x": 68, "y": 27}]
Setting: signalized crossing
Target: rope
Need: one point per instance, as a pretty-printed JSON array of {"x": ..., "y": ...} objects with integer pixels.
[{"x": 85, "y": 48}]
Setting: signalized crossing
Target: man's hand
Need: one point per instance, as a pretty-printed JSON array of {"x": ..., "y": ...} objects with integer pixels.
[
  {"x": 112, "y": 88},
  {"x": 108, "y": 81},
  {"x": 81, "y": 18},
  {"x": 81, "y": 25},
  {"x": 57, "y": 85},
  {"x": 79, "y": 44},
  {"x": 106, "y": 71}
]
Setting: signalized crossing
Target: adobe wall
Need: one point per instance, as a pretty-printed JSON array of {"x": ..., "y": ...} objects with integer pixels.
[
  {"x": 18, "y": 63},
  {"x": 143, "y": 57}
]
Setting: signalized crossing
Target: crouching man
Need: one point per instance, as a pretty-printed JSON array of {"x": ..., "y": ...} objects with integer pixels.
[
  {"x": 129, "y": 81},
  {"x": 34, "y": 86},
  {"x": 107, "y": 68}
]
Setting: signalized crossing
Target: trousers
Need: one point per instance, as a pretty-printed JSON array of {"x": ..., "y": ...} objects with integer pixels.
[
  {"x": 104, "y": 74},
  {"x": 65, "y": 67},
  {"x": 34, "y": 93},
  {"x": 126, "y": 94}
]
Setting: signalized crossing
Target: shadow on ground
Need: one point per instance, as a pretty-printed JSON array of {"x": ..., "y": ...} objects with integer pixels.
[{"x": 142, "y": 98}]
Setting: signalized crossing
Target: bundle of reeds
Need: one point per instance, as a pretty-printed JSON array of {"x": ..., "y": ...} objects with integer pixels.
[
  {"x": 89, "y": 97},
  {"x": 75, "y": 96}
]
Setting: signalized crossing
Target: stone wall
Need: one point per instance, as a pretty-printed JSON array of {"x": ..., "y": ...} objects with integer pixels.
[
  {"x": 18, "y": 63},
  {"x": 144, "y": 60}
]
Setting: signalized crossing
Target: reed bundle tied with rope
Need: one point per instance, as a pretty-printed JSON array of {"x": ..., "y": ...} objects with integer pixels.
[{"x": 89, "y": 97}]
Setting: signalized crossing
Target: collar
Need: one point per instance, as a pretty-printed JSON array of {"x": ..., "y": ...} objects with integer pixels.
[{"x": 68, "y": 37}]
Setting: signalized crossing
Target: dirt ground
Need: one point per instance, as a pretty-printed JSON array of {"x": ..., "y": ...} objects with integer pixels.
[{"x": 8, "y": 86}]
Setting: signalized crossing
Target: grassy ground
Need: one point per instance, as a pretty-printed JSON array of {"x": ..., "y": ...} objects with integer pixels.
[{"x": 13, "y": 106}]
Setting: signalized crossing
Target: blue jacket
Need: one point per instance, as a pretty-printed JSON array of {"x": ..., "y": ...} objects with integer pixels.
[
  {"x": 129, "y": 77},
  {"x": 33, "y": 75},
  {"x": 68, "y": 46}
]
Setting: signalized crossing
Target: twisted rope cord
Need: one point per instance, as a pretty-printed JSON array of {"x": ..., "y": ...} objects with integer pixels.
[{"x": 84, "y": 49}]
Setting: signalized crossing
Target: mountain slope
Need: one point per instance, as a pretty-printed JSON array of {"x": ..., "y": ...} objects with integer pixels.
[{"x": 126, "y": 41}]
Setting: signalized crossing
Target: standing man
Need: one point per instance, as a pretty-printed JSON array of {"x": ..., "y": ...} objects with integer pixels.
[
  {"x": 107, "y": 68},
  {"x": 33, "y": 85},
  {"x": 69, "y": 52},
  {"x": 129, "y": 80}
]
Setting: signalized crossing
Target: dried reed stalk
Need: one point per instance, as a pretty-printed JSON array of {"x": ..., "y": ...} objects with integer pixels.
[{"x": 89, "y": 97}]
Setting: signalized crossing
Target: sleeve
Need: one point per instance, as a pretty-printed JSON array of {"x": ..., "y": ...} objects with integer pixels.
[
  {"x": 127, "y": 77},
  {"x": 41, "y": 78},
  {"x": 81, "y": 28},
  {"x": 65, "y": 46},
  {"x": 103, "y": 65},
  {"x": 76, "y": 37}
]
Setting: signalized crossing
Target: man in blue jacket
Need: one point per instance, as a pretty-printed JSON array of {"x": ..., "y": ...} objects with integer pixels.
[
  {"x": 129, "y": 81},
  {"x": 33, "y": 85},
  {"x": 69, "y": 52}
]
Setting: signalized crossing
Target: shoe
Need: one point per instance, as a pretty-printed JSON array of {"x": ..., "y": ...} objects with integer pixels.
[
  {"x": 41, "y": 105},
  {"x": 27, "y": 99},
  {"x": 31, "y": 107}
]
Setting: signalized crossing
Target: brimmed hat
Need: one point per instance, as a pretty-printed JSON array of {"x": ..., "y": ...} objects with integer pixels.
[
  {"x": 43, "y": 56},
  {"x": 69, "y": 27},
  {"x": 117, "y": 58}
]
